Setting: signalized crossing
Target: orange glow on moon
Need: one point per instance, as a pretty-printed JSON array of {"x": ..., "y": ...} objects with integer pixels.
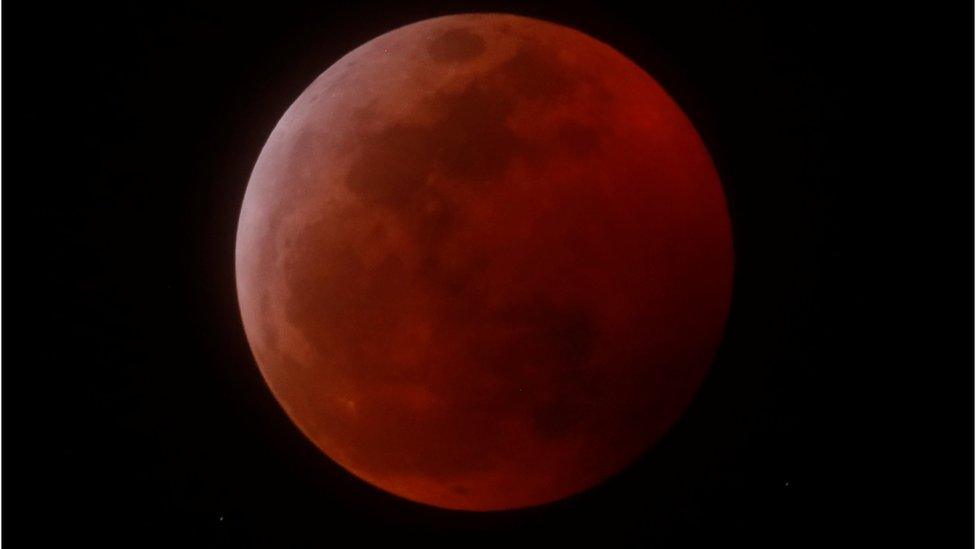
[{"x": 484, "y": 262}]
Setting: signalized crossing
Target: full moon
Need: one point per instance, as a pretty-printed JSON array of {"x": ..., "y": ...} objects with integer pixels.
[{"x": 484, "y": 262}]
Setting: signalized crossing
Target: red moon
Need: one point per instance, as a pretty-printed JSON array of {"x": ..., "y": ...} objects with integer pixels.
[{"x": 484, "y": 262}]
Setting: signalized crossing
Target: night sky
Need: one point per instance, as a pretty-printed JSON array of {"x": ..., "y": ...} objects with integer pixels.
[{"x": 839, "y": 409}]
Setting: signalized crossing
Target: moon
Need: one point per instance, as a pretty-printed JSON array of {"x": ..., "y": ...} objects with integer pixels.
[{"x": 484, "y": 262}]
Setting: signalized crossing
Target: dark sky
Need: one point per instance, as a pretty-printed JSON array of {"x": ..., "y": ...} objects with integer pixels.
[{"x": 839, "y": 409}]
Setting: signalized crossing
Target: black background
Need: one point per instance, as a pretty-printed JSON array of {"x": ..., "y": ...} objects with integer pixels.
[{"x": 838, "y": 411}]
